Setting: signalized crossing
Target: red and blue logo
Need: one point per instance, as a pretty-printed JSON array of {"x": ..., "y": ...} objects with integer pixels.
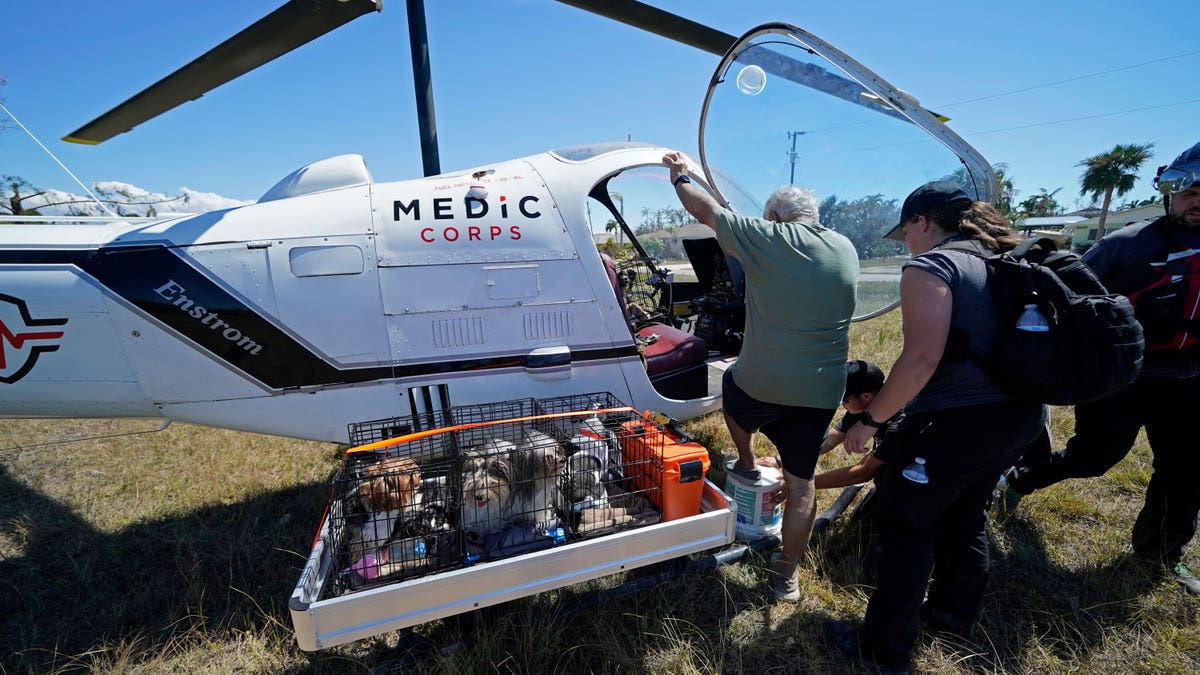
[{"x": 23, "y": 338}]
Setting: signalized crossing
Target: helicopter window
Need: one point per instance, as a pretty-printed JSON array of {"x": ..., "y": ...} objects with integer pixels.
[
  {"x": 582, "y": 153},
  {"x": 323, "y": 261},
  {"x": 636, "y": 218}
]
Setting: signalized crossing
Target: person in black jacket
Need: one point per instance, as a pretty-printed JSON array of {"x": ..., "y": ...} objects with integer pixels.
[{"x": 1157, "y": 265}]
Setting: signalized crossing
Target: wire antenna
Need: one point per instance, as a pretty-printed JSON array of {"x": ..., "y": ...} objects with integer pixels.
[
  {"x": 56, "y": 160},
  {"x": 63, "y": 441}
]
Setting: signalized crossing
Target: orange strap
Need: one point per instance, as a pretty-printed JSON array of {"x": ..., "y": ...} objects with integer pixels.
[{"x": 387, "y": 443}]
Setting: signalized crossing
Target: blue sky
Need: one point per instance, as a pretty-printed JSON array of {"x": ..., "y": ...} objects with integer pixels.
[{"x": 517, "y": 77}]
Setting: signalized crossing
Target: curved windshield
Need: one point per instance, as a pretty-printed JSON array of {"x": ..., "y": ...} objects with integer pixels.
[{"x": 785, "y": 108}]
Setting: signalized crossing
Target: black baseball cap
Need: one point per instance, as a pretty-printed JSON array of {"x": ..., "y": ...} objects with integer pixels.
[
  {"x": 928, "y": 198},
  {"x": 862, "y": 377}
]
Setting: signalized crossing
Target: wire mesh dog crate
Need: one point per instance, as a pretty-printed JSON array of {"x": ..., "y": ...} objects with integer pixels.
[
  {"x": 485, "y": 482},
  {"x": 431, "y": 547}
]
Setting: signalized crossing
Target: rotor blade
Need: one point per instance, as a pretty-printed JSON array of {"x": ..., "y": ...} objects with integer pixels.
[
  {"x": 688, "y": 32},
  {"x": 295, "y": 23},
  {"x": 654, "y": 20}
]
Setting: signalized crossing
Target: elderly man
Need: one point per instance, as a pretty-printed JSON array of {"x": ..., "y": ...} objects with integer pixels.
[
  {"x": 790, "y": 375},
  {"x": 1157, "y": 265}
]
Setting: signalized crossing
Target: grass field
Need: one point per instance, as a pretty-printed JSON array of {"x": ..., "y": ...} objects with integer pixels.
[{"x": 177, "y": 550}]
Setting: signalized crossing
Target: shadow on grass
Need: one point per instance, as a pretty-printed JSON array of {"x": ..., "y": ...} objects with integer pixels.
[
  {"x": 71, "y": 592},
  {"x": 1069, "y": 611},
  {"x": 1072, "y": 611}
]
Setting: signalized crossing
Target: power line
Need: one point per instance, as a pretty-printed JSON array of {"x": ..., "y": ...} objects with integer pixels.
[
  {"x": 1069, "y": 79},
  {"x": 1084, "y": 117}
]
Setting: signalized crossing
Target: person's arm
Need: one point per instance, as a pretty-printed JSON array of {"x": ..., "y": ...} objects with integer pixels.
[
  {"x": 833, "y": 439},
  {"x": 849, "y": 475},
  {"x": 694, "y": 200},
  {"x": 926, "y": 303}
]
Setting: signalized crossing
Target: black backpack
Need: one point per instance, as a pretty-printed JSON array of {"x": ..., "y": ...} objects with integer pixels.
[{"x": 1094, "y": 346}]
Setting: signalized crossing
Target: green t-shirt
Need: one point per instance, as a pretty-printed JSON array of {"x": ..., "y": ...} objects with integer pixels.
[{"x": 800, "y": 291}]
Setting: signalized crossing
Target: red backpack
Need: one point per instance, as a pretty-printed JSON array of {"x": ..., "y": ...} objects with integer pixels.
[{"x": 1169, "y": 308}]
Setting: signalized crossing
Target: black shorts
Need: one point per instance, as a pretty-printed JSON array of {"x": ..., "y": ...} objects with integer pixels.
[{"x": 796, "y": 431}]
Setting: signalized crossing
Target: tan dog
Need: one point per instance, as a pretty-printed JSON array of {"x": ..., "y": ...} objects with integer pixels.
[{"x": 389, "y": 490}]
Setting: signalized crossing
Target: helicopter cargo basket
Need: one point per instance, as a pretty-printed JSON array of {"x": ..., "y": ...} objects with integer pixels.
[{"x": 439, "y": 514}]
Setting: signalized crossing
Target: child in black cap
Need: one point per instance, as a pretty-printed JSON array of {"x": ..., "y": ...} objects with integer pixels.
[{"x": 863, "y": 381}]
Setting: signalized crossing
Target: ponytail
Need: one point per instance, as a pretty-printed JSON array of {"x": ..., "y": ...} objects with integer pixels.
[{"x": 980, "y": 221}]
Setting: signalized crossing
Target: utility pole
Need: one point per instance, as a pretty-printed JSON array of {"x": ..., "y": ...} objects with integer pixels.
[{"x": 792, "y": 155}]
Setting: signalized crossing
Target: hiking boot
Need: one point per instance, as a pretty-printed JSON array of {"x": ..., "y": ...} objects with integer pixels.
[
  {"x": 942, "y": 622},
  {"x": 844, "y": 638},
  {"x": 1183, "y": 575},
  {"x": 785, "y": 588}
]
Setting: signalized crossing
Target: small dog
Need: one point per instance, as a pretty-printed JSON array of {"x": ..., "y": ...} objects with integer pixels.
[
  {"x": 504, "y": 483},
  {"x": 582, "y": 482},
  {"x": 487, "y": 487},
  {"x": 536, "y": 469},
  {"x": 388, "y": 490}
]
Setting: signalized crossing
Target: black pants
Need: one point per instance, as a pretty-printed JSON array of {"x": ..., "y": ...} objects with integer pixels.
[
  {"x": 1105, "y": 431},
  {"x": 942, "y": 524}
]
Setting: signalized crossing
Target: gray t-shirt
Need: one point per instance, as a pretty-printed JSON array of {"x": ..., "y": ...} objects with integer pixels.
[{"x": 959, "y": 381}]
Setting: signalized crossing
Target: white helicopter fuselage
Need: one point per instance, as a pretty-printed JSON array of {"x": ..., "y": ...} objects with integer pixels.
[{"x": 333, "y": 300}]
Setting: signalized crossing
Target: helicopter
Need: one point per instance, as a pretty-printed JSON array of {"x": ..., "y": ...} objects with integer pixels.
[{"x": 335, "y": 298}]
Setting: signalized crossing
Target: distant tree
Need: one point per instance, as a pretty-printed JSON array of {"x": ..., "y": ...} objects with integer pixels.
[
  {"x": 654, "y": 246},
  {"x": 1138, "y": 203},
  {"x": 657, "y": 220},
  {"x": 1112, "y": 172},
  {"x": 16, "y": 200},
  {"x": 1040, "y": 205},
  {"x": 1005, "y": 191},
  {"x": 862, "y": 221}
]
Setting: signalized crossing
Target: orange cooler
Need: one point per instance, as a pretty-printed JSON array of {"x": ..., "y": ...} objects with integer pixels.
[{"x": 662, "y": 465}]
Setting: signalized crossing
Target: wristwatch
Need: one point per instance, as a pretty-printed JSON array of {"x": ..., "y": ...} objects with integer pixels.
[
  {"x": 682, "y": 179},
  {"x": 866, "y": 420}
]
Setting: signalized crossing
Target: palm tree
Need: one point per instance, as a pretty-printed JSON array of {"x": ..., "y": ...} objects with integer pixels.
[
  {"x": 1112, "y": 171},
  {"x": 1040, "y": 205}
]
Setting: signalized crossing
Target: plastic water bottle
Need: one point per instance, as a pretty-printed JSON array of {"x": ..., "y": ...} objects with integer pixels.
[
  {"x": 916, "y": 471},
  {"x": 1032, "y": 320}
]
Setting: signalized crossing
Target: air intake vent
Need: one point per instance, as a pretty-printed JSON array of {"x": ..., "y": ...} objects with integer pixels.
[
  {"x": 547, "y": 325},
  {"x": 458, "y": 332}
]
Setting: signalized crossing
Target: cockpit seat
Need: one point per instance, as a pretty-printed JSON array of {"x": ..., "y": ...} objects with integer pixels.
[
  {"x": 669, "y": 349},
  {"x": 666, "y": 348}
]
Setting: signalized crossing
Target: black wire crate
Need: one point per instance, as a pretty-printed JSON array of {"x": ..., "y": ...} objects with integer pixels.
[
  {"x": 394, "y": 513},
  {"x": 373, "y": 431},
  {"x": 496, "y": 480}
]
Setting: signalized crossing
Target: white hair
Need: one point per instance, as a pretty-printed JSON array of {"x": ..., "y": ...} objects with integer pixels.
[{"x": 793, "y": 204}]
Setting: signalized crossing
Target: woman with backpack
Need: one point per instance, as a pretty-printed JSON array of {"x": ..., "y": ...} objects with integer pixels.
[{"x": 963, "y": 430}]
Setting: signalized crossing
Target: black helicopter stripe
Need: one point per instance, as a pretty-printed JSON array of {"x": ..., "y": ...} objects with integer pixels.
[{"x": 154, "y": 278}]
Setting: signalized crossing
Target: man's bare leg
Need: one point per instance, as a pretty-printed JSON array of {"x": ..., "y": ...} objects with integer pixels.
[
  {"x": 744, "y": 442},
  {"x": 799, "y": 512}
]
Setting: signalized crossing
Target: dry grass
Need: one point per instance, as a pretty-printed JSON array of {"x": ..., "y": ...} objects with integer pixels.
[{"x": 176, "y": 551}]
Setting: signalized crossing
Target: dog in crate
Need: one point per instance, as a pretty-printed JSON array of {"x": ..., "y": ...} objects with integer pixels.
[
  {"x": 389, "y": 490},
  {"x": 505, "y": 483}
]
